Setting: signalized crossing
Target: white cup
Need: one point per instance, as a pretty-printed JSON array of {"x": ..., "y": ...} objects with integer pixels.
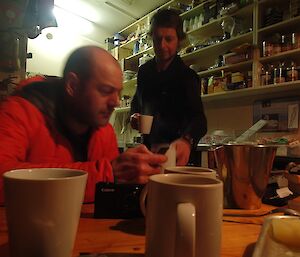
[
  {"x": 43, "y": 207},
  {"x": 184, "y": 216},
  {"x": 192, "y": 170},
  {"x": 145, "y": 123}
]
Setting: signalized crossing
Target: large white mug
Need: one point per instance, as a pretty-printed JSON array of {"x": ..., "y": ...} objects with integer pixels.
[
  {"x": 192, "y": 170},
  {"x": 183, "y": 216},
  {"x": 43, "y": 207},
  {"x": 145, "y": 123}
]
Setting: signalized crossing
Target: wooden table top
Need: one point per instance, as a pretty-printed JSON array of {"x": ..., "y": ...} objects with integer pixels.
[{"x": 239, "y": 234}]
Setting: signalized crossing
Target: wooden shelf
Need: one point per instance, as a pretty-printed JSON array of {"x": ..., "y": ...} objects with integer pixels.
[
  {"x": 132, "y": 27},
  {"x": 122, "y": 109},
  {"x": 277, "y": 57},
  {"x": 210, "y": 53},
  {"x": 131, "y": 82},
  {"x": 240, "y": 66},
  {"x": 139, "y": 54},
  {"x": 191, "y": 13},
  {"x": 290, "y": 24},
  {"x": 281, "y": 90},
  {"x": 214, "y": 27}
]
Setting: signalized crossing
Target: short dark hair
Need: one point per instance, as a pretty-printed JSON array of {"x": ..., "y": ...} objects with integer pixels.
[
  {"x": 168, "y": 18},
  {"x": 80, "y": 62}
]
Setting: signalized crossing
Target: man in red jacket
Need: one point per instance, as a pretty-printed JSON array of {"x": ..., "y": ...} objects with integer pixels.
[{"x": 64, "y": 123}]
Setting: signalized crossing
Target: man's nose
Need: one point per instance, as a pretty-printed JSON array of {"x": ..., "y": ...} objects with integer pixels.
[
  {"x": 115, "y": 100},
  {"x": 163, "y": 43}
]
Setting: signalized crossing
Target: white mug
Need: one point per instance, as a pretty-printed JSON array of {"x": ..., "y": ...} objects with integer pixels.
[
  {"x": 43, "y": 207},
  {"x": 192, "y": 170},
  {"x": 145, "y": 124},
  {"x": 183, "y": 216}
]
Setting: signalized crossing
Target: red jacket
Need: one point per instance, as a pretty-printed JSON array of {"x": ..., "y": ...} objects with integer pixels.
[{"x": 29, "y": 138}]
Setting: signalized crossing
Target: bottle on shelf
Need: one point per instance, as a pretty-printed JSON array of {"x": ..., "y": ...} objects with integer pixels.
[
  {"x": 292, "y": 72},
  {"x": 295, "y": 40},
  {"x": 279, "y": 73},
  {"x": 276, "y": 43},
  {"x": 267, "y": 48}
]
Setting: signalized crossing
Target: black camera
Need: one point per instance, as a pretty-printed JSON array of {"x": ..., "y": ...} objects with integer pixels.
[{"x": 119, "y": 201}]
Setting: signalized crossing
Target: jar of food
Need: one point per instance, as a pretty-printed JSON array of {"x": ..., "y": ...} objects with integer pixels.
[
  {"x": 295, "y": 40},
  {"x": 292, "y": 72},
  {"x": 267, "y": 48}
]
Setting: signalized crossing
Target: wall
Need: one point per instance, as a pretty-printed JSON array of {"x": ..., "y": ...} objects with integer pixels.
[{"x": 51, "y": 48}]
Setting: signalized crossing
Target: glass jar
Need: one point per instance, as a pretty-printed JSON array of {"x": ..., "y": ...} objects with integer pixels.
[
  {"x": 292, "y": 72},
  {"x": 267, "y": 48},
  {"x": 295, "y": 40}
]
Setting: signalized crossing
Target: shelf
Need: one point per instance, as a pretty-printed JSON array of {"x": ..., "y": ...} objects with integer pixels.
[
  {"x": 211, "y": 53},
  {"x": 191, "y": 13},
  {"x": 131, "y": 82},
  {"x": 139, "y": 54},
  {"x": 130, "y": 44},
  {"x": 122, "y": 109},
  {"x": 214, "y": 27},
  {"x": 240, "y": 66},
  {"x": 284, "y": 25},
  {"x": 280, "y": 56},
  {"x": 132, "y": 27},
  {"x": 263, "y": 92}
]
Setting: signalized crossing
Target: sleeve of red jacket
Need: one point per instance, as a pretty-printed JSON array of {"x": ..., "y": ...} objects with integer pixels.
[{"x": 14, "y": 142}]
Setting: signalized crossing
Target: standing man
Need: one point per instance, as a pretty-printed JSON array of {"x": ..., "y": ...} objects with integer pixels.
[
  {"x": 169, "y": 90},
  {"x": 64, "y": 123}
]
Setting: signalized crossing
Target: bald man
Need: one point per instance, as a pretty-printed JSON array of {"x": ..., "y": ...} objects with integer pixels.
[{"x": 64, "y": 123}]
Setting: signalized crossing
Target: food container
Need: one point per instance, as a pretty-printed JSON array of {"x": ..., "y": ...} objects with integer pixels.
[{"x": 267, "y": 246}]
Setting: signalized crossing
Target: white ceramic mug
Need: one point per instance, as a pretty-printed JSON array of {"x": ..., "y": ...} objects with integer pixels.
[
  {"x": 184, "y": 216},
  {"x": 145, "y": 123},
  {"x": 43, "y": 207},
  {"x": 192, "y": 170}
]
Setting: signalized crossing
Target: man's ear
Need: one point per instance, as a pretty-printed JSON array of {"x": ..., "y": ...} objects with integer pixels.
[{"x": 72, "y": 84}]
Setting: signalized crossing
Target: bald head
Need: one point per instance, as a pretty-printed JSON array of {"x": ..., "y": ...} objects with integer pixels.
[{"x": 85, "y": 59}]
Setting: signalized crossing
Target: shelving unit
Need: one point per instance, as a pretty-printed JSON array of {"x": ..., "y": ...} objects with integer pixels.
[
  {"x": 237, "y": 66},
  {"x": 206, "y": 56},
  {"x": 283, "y": 89},
  {"x": 210, "y": 53},
  {"x": 227, "y": 102}
]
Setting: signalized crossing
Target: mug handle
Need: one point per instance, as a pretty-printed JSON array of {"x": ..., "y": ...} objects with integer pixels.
[
  {"x": 143, "y": 197},
  {"x": 185, "y": 230}
]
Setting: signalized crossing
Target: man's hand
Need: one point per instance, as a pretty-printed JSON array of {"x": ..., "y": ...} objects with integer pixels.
[
  {"x": 136, "y": 165},
  {"x": 135, "y": 120},
  {"x": 183, "y": 150}
]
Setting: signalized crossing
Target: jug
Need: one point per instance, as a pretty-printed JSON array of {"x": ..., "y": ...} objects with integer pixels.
[{"x": 244, "y": 170}]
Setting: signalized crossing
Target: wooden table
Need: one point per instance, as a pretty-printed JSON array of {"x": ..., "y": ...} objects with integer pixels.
[{"x": 239, "y": 234}]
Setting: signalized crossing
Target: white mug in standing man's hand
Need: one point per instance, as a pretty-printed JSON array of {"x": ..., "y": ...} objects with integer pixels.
[
  {"x": 43, "y": 207},
  {"x": 183, "y": 216},
  {"x": 145, "y": 123}
]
